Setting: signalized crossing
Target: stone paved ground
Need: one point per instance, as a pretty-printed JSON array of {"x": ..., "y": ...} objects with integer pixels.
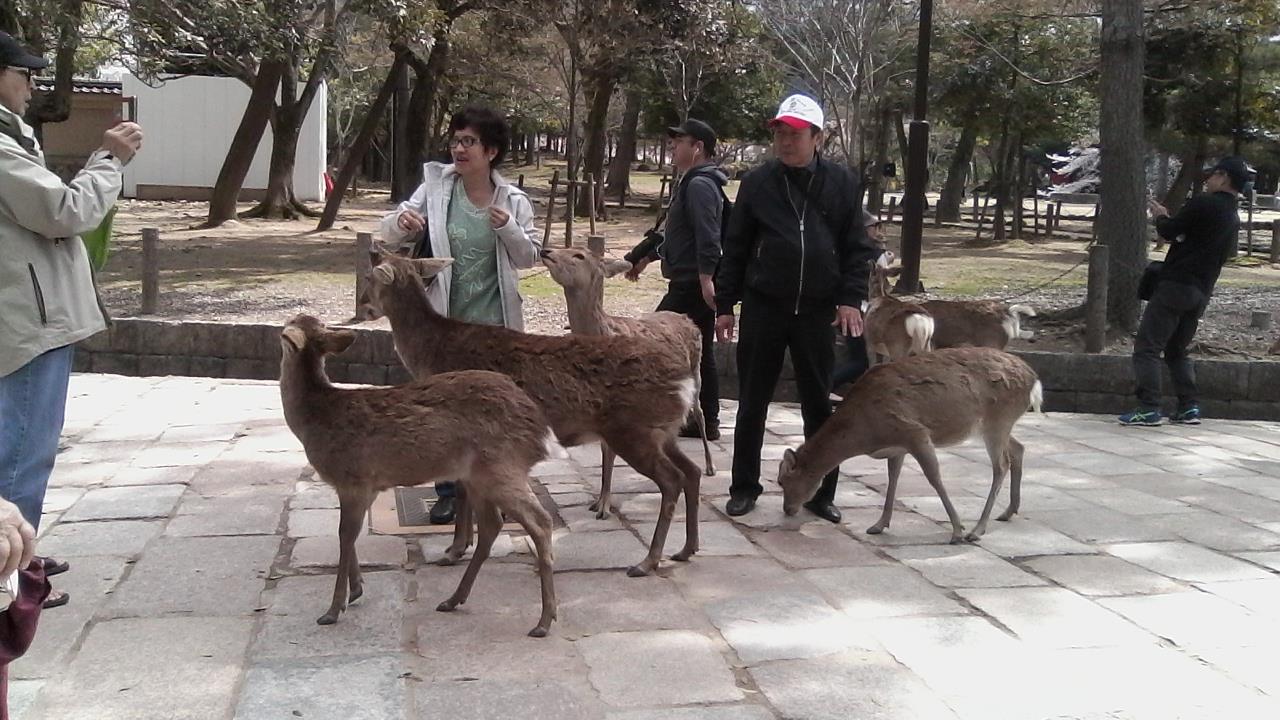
[{"x": 1139, "y": 582}]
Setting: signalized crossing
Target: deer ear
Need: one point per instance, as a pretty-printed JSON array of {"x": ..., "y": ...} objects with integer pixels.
[
  {"x": 293, "y": 337},
  {"x": 430, "y": 267},
  {"x": 336, "y": 341},
  {"x": 615, "y": 267},
  {"x": 788, "y": 462},
  {"x": 383, "y": 274}
]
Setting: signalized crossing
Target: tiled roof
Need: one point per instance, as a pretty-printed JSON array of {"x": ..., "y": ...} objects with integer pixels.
[{"x": 91, "y": 87}]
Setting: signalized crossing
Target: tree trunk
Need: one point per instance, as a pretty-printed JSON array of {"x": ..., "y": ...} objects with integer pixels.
[
  {"x": 286, "y": 128},
  {"x": 422, "y": 106},
  {"x": 400, "y": 138},
  {"x": 900, "y": 127},
  {"x": 619, "y": 180},
  {"x": 876, "y": 179},
  {"x": 1122, "y": 223},
  {"x": 953, "y": 189},
  {"x": 1192, "y": 161},
  {"x": 599, "y": 92},
  {"x": 235, "y": 167},
  {"x": 55, "y": 107},
  {"x": 356, "y": 153}
]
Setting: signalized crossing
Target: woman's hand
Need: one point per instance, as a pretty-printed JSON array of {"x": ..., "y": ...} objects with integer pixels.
[
  {"x": 411, "y": 221},
  {"x": 498, "y": 217}
]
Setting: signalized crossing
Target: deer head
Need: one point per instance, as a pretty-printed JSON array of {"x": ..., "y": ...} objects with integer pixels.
[
  {"x": 391, "y": 270},
  {"x": 305, "y": 333},
  {"x": 576, "y": 269}
]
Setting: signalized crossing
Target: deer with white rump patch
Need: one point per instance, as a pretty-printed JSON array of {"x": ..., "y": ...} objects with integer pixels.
[
  {"x": 631, "y": 393},
  {"x": 913, "y": 406},
  {"x": 474, "y": 426},
  {"x": 582, "y": 275},
  {"x": 894, "y": 328}
]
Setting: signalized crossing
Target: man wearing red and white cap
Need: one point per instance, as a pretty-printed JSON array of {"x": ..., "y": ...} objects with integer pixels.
[{"x": 797, "y": 257}]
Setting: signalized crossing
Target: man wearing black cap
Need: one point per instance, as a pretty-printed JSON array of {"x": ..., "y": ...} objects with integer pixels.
[
  {"x": 1203, "y": 236},
  {"x": 47, "y": 297},
  {"x": 691, "y": 251}
]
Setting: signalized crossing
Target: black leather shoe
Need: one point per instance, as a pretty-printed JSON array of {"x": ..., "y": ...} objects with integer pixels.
[
  {"x": 442, "y": 511},
  {"x": 824, "y": 510},
  {"x": 740, "y": 506}
]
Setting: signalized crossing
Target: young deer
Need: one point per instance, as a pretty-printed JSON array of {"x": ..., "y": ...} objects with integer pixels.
[
  {"x": 980, "y": 323},
  {"x": 894, "y": 328},
  {"x": 582, "y": 275},
  {"x": 474, "y": 426},
  {"x": 631, "y": 393},
  {"x": 914, "y": 405}
]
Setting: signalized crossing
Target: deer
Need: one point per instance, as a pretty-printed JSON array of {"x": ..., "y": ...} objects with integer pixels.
[
  {"x": 894, "y": 328},
  {"x": 631, "y": 393},
  {"x": 582, "y": 276},
  {"x": 979, "y": 323},
  {"x": 475, "y": 426},
  {"x": 913, "y": 406}
]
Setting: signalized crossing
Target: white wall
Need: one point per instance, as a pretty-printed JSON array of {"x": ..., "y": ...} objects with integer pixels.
[{"x": 188, "y": 124}]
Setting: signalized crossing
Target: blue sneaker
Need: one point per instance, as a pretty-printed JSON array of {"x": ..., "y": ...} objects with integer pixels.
[
  {"x": 1145, "y": 418},
  {"x": 1189, "y": 416}
]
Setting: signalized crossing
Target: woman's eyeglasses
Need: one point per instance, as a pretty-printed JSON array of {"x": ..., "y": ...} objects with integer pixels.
[{"x": 466, "y": 141}]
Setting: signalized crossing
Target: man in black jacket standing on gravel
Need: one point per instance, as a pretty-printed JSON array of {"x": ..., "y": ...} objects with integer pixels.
[
  {"x": 797, "y": 257},
  {"x": 1202, "y": 237}
]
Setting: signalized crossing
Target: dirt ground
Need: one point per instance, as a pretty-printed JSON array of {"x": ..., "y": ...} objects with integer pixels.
[{"x": 267, "y": 271}]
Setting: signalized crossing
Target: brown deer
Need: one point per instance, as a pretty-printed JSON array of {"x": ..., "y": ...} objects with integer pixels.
[
  {"x": 894, "y": 328},
  {"x": 631, "y": 393},
  {"x": 980, "y": 323},
  {"x": 582, "y": 275},
  {"x": 911, "y": 407},
  {"x": 474, "y": 426}
]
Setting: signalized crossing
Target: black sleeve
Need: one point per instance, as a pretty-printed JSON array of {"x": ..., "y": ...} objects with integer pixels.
[
  {"x": 702, "y": 202},
  {"x": 1171, "y": 227},
  {"x": 857, "y": 252},
  {"x": 732, "y": 273}
]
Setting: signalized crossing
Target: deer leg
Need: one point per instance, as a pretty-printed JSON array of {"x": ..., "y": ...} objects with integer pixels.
[
  {"x": 527, "y": 511},
  {"x": 351, "y": 513},
  {"x": 928, "y": 459},
  {"x": 490, "y": 522},
  {"x": 601, "y": 505},
  {"x": 998, "y": 451},
  {"x": 646, "y": 454},
  {"x": 709, "y": 465},
  {"x": 355, "y": 579},
  {"x": 895, "y": 469},
  {"x": 1015, "y": 479},
  {"x": 692, "y": 494},
  {"x": 462, "y": 519}
]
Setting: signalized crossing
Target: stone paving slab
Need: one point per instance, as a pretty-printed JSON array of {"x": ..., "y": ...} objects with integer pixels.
[{"x": 1141, "y": 581}]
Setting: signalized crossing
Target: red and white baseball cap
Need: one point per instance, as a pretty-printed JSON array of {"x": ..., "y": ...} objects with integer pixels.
[{"x": 800, "y": 112}]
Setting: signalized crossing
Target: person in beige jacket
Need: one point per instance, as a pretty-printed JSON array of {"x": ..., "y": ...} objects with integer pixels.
[
  {"x": 48, "y": 300},
  {"x": 468, "y": 212}
]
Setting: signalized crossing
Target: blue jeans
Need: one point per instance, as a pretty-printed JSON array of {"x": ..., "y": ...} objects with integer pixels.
[{"x": 33, "y": 403}]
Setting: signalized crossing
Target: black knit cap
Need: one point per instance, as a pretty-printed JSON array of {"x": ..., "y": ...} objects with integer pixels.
[{"x": 12, "y": 54}]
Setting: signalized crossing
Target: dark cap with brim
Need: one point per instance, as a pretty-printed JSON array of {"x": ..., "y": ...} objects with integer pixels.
[
  {"x": 1236, "y": 169},
  {"x": 697, "y": 130},
  {"x": 12, "y": 54}
]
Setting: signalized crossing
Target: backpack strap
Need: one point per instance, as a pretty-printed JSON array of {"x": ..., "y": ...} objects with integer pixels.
[{"x": 11, "y": 129}]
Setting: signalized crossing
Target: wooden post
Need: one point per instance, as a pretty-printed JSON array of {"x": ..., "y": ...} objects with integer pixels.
[
  {"x": 975, "y": 205},
  {"x": 571, "y": 207},
  {"x": 604, "y": 210},
  {"x": 982, "y": 218},
  {"x": 893, "y": 208},
  {"x": 1093, "y": 224},
  {"x": 364, "y": 266},
  {"x": 1275, "y": 241},
  {"x": 662, "y": 192},
  {"x": 1095, "y": 328},
  {"x": 150, "y": 270},
  {"x": 520, "y": 181},
  {"x": 1260, "y": 319},
  {"x": 1048, "y": 219},
  {"x": 1035, "y": 215},
  {"x": 591, "y": 204},
  {"x": 1057, "y": 217},
  {"x": 551, "y": 206},
  {"x": 1248, "y": 237}
]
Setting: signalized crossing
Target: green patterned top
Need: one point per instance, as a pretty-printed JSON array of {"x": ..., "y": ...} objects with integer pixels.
[{"x": 474, "y": 296}]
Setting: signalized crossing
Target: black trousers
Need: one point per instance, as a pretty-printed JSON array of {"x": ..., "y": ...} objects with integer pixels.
[
  {"x": 856, "y": 365},
  {"x": 1168, "y": 325},
  {"x": 685, "y": 297},
  {"x": 768, "y": 328}
]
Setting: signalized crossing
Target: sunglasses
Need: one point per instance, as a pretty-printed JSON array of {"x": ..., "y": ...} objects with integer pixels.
[{"x": 28, "y": 73}]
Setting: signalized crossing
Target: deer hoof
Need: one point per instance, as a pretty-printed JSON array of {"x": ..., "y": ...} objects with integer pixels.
[
  {"x": 601, "y": 513},
  {"x": 637, "y": 571},
  {"x": 973, "y": 537},
  {"x": 876, "y": 529},
  {"x": 328, "y": 618},
  {"x": 447, "y": 606},
  {"x": 538, "y": 632},
  {"x": 1006, "y": 516},
  {"x": 957, "y": 539},
  {"x": 684, "y": 555}
]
